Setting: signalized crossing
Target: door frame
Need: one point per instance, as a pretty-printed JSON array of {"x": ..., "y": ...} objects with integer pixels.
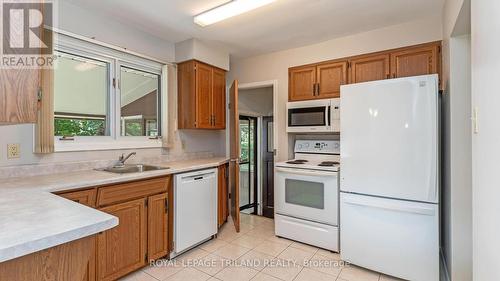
[
  {"x": 256, "y": 165},
  {"x": 254, "y": 85}
]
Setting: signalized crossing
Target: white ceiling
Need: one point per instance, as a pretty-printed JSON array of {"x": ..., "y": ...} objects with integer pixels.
[{"x": 281, "y": 25}]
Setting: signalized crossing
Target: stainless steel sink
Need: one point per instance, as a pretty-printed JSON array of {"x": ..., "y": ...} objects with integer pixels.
[{"x": 133, "y": 168}]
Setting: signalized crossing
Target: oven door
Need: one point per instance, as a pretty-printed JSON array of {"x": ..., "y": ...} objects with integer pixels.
[
  {"x": 309, "y": 117},
  {"x": 307, "y": 194}
]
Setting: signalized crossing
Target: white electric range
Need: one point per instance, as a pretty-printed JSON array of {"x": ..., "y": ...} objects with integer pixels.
[{"x": 307, "y": 194}]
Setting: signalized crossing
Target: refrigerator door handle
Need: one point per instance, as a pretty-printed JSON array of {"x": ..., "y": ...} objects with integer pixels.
[{"x": 391, "y": 207}]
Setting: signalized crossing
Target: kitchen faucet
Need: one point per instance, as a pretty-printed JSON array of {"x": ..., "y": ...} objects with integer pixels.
[{"x": 123, "y": 158}]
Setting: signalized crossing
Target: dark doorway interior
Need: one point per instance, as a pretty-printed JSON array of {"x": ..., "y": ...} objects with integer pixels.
[{"x": 267, "y": 167}]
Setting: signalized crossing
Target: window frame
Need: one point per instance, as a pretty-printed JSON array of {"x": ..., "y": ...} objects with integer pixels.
[{"x": 115, "y": 59}]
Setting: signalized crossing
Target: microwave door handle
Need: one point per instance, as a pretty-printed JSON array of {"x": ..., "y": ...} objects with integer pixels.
[
  {"x": 329, "y": 115},
  {"x": 327, "y": 108}
]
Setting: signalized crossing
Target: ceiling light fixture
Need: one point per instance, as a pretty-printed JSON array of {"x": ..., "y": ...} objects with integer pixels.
[{"x": 230, "y": 9}]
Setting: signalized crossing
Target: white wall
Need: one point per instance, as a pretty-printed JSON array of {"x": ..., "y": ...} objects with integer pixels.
[
  {"x": 256, "y": 102},
  {"x": 457, "y": 154},
  {"x": 274, "y": 66},
  {"x": 485, "y": 21},
  {"x": 100, "y": 27},
  {"x": 196, "y": 49},
  {"x": 91, "y": 24}
]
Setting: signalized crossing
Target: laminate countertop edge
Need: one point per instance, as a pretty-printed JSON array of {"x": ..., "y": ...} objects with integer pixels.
[{"x": 32, "y": 218}]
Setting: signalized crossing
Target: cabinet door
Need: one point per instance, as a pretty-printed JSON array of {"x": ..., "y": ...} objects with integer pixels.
[
  {"x": 157, "y": 226},
  {"x": 369, "y": 68},
  {"x": 219, "y": 99},
  {"x": 19, "y": 95},
  {"x": 19, "y": 88},
  {"x": 222, "y": 212},
  {"x": 329, "y": 78},
  {"x": 415, "y": 61},
  {"x": 302, "y": 83},
  {"x": 204, "y": 84},
  {"x": 87, "y": 198},
  {"x": 122, "y": 249}
]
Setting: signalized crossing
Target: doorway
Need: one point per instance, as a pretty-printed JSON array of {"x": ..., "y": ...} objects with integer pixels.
[
  {"x": 248, "y": 164},
  {"x": 256, "y": 108}
]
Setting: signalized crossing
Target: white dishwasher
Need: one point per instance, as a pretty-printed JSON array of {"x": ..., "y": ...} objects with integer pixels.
[{"x": 195, "y": 209}]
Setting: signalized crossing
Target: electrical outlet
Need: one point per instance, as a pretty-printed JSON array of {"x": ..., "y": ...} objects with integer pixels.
[{"x": 13, "y": 151}]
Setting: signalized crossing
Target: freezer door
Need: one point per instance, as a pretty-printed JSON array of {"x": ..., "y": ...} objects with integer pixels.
[
  {"x": 389, "y": 140},
  {"x": 398, "y": 238}
]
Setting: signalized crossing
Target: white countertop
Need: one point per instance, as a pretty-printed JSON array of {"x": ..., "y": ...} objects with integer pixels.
[{"x": 33, "y": 219}]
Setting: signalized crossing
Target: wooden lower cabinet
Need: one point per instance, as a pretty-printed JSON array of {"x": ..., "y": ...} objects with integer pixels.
[
  {"x": 144, "y": 230},
  {"x": 157, "y": 226},
  {"x": 222, "y": 210},
  {"x": 122, "y": 249},
  {"x": 86, "y": 197},
  {"x": 63, "y": 262}
]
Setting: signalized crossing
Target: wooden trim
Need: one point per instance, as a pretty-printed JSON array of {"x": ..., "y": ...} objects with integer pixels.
[
  {"x": 170, "y": 217},
  {"x": 44, "y": 128},
  {"x": 199, "y": 61}
]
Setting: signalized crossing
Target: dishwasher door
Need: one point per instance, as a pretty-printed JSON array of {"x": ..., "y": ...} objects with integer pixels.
[{"x": 195, "y": 208}]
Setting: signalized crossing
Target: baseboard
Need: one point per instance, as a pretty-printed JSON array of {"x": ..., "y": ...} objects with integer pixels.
[{"x": 445, "y": 276}]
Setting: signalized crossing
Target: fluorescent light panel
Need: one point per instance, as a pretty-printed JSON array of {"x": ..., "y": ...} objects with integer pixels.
[{"x": 228, "y": 10}]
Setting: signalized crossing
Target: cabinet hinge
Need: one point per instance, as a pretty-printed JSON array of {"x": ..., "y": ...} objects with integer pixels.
[
  {"x": 146, "y": 203},
  {"x": 166, "y": 205},
  {"x": 39, "y": 94}
]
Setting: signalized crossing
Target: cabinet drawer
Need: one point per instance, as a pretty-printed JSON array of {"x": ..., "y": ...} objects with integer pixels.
[
  {"x": 128, "y": 191},
  {"x": 86, "y": 197}
]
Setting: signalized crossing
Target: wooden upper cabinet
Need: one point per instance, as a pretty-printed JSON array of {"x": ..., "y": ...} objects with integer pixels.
[
  {"x": 219, "y": 99},
  {"x": 157, "y": 226},
  {"x": 201, "y": 96},
  {"x": 19, "y": 95},
  {"x": 122, "y": 249},
  {"x": 323, "y": 80},
  {"x": 19, "y": 87},
  {"x": 369, "y": 68},
  {"x": 302, "y": 83},
  {"x": 329, "y": 77},
  {"x": 415, "y": 61}
]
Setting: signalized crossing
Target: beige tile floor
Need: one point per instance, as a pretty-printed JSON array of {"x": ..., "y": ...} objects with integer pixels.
[{"x": 254, "y": 254}]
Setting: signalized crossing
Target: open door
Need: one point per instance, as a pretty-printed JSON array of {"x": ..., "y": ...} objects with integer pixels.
[{"x": 234, "y": 154}]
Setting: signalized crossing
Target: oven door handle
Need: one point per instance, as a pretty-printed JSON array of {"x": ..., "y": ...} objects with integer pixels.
[{"x": 305, "y": 172}]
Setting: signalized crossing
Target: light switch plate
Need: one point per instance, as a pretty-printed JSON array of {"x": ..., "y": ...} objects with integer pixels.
[{"x": 13, "y": 150}]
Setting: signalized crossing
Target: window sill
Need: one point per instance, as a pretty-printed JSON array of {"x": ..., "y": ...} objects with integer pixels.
[{"x": 83, "y": 144}]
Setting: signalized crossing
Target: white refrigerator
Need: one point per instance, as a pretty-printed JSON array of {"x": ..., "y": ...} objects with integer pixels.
[{"x": 389, "y": 179}]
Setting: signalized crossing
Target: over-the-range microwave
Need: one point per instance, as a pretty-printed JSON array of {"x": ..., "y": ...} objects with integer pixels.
[{"x": 321, "y": 116}]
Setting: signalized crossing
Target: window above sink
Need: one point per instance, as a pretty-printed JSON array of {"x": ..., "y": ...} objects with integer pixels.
[{"x": 106, "y": 99}]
